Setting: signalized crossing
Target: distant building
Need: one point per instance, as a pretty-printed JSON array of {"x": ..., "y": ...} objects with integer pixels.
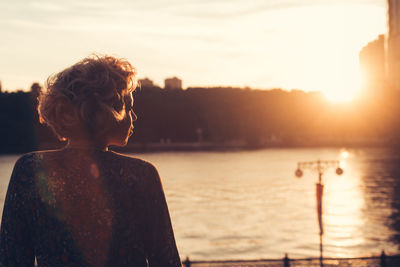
[
  {"x": 372, "y": 62},
  {"x": 146, "y": 82},
  {"x": 380, "y": 59},
  {"x": 393, "y": 43},
  {"x": 173, "y": 83},
  {"x": 1, "y": 88}
]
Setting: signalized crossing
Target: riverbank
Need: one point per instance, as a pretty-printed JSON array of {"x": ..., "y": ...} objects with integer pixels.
[
  {"x": 238, "y": 146},
  {"x": 223, "y": 146}
]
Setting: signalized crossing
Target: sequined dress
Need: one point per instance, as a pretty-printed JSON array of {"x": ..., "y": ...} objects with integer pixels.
[{"x": 76, "y": 207}]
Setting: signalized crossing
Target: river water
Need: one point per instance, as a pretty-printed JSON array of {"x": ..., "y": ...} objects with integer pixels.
[{"x": 249, "y": 204}]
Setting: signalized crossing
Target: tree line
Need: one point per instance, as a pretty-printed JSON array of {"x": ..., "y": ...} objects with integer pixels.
[{"x": 255, "y": 118}]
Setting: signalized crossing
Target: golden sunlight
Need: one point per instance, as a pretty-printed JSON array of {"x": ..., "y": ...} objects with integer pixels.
[
  {"x": 344, "y": 154},
  {"x": 330, "y": 62},
  {"x": 342, "y": 88},
  {"x": 336, "y": 72},
  {"x": 343, "y": 212}
]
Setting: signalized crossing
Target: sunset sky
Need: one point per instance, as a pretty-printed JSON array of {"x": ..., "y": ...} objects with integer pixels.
[{"x": 303, "y": 44}]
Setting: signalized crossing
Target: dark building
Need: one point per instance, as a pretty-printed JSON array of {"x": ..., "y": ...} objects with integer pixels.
[
  {"x": 393, "y": 43},
  {"x": 372, "y": 63},
  {"x": 146, "y": 82},
  {"x": 173, "y": 83},
  {"x": 380, "y": 59}
]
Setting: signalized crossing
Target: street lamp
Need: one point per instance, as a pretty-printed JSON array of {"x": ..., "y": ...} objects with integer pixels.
[{"x": 319, "y": 166}]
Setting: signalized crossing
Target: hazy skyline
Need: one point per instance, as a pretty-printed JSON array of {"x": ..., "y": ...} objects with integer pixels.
[{"x": 308, "y": 44}]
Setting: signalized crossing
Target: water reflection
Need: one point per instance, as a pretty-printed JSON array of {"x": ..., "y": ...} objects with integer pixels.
[{"x": 344, "y": 203}]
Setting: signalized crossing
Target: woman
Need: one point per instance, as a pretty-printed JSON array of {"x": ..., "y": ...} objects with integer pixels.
[{"x": 85, "y": 205}]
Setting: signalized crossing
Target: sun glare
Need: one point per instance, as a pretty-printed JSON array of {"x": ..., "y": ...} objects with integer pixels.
[
  {"x": 336, "y": 82},
  {"x": 336, "y": 71},
  {"x": 344, "y": 154},
  {"x": 341, "y": 93},
  {"x": 343, "y": 84},
  {"x": 330, "y": 59},
  {"x": 343, "y": 221}
]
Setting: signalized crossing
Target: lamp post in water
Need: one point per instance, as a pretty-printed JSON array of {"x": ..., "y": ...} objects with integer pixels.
[{"x": 320, "y": 166}]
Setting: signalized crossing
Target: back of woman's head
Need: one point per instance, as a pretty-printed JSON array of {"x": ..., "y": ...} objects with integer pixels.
[{"x": 87, "y": 99}]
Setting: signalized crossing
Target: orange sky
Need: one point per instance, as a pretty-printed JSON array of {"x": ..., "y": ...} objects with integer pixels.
[{"x": 303, "y": 44}]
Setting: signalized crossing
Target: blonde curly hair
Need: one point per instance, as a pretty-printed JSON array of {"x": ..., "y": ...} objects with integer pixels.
[{"x": 87, "y": 99}]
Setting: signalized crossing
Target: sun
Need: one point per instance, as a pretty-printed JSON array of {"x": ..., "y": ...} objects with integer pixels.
[
  {"x": 338, "y": 82},
  {"x": 341, "y": 84},
  {"x": 344, "y": 91},
  {"x": 342, "y": 78},
  {"x": 329, "y": 57},
  {"x": 334, "y": 71},
  {"x": 338, "y": 98}
]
